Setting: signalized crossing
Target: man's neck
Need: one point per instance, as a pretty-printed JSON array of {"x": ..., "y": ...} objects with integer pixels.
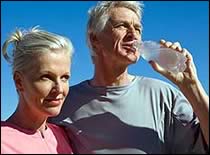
[
  {"x": 111, "y": 78},
  {"x": 109, "y": 72}
]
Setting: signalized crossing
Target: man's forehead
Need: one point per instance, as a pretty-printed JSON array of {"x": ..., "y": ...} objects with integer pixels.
[
  {"x": 121, "y": 12},
  {"x": 123, "y": 20}
]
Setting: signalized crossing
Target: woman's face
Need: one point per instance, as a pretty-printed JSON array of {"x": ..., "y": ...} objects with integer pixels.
[{"x": 44, "y": 84}]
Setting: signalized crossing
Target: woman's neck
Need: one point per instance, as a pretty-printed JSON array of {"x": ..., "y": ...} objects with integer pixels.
[{"x": 27, "y": 120}]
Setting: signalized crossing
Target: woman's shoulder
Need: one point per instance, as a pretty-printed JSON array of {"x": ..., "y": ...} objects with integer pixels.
[
  {"x": 12, "y": 130},
  {"x": 59, "y": 131},
  {"x": 6, "y": 126},
  {"x": 56, "y": 128},
  {"x": 9, "y": 132}
]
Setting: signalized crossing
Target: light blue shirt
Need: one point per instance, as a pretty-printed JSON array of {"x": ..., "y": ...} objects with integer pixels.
[{"x": 147, "y": 116}]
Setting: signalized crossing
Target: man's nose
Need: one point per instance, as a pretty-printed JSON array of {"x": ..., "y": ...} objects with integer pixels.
[{"x": 132, "y": 33}]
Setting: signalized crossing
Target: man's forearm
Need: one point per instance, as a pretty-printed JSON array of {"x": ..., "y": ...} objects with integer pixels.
[{"x": 199, "y": 100}]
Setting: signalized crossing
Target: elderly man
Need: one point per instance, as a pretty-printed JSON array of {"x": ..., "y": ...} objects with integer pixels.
[{"x": 116, "y": 112}]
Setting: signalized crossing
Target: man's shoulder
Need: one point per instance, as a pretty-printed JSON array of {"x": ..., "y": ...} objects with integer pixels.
[
  {"x": 156, "y": 85},
  {"x": 79, "y": 85},
  {"x": 153, "y": 82}
]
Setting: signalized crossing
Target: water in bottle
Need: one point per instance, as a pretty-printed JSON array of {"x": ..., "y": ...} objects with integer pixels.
[{"x": 166, "y": 57}]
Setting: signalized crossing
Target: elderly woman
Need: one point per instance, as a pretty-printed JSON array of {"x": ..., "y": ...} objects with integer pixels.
[{"x": 41, "y": 70}]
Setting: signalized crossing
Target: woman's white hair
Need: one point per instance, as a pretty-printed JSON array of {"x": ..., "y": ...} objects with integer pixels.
[
  {"x": 98, "y": 16},
  {"x": 34, "y": 41}
]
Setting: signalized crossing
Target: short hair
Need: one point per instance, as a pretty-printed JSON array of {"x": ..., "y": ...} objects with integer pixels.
[
  {"x": 27, "y": 43},
  {"x": 98, "y": 16}
]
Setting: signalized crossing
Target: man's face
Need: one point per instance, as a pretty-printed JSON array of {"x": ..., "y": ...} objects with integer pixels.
[{"x": 121, "y": 31}]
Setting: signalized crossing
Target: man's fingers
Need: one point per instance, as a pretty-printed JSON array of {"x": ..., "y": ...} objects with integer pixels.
[{"x": 176, "y": 46}]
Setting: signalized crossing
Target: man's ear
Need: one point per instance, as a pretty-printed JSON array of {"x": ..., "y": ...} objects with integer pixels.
[
  {"x": 18, "y": 79},
  {"x": 94, "y": 41}
]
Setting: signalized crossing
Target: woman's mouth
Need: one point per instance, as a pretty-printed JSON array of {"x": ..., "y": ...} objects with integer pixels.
[{"x": 54, "y": 101}]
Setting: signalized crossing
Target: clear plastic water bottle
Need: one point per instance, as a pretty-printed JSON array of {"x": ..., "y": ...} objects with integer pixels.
[{"x": 166, "y": 57}]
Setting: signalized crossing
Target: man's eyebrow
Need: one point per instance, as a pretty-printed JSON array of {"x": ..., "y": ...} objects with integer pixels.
[
  {"x": 113, "y": 21},
  {"x": 123, "y": 21}
]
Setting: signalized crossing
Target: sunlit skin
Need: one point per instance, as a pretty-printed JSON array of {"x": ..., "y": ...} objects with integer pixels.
[
  {"x": 116, "y": 40},
  {"x": 42, "y": 87},
  {"x": 114, "y": 47}
]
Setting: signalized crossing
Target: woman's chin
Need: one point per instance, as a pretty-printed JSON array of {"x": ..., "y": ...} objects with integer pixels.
[{"x": 52, "y": 112}]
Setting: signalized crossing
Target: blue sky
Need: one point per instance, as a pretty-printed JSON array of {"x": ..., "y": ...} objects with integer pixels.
[{"x": 183, "y": 21}]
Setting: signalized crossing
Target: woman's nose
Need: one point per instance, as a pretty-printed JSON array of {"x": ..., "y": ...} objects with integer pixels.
[{"x": 58, "y": 87}]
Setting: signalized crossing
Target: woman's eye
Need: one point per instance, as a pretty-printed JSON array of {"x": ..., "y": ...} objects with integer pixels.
[
  {"x": 45, "y": 77},
  {"x": 65, "y": 78},
  {"x": 139, "y": 30}
]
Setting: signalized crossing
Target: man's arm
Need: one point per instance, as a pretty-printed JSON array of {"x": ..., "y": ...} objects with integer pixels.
[
  {"x": 190, "y": 86},
  {"x": 200, "y": 104}
]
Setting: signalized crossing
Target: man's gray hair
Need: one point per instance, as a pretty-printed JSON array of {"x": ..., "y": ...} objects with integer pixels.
[{"x": 98, "y": 16}]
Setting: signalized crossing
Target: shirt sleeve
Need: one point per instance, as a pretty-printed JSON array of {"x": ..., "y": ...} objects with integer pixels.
[{"x": 184, "y": 135}]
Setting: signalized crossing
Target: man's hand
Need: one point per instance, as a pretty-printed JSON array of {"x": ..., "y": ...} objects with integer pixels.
[{"x": 189, "y": 76}]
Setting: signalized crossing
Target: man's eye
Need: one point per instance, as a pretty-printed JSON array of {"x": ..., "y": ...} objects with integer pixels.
[{"x": 120, "y": 26}]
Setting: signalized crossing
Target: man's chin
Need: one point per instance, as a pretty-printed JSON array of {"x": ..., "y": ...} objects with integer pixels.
[
  {"x": 135, "y": 61},
  {"x": 133, "y": 58}
]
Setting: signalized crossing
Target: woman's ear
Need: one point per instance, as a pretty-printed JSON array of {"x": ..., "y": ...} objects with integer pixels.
[{"x": 18, "y": 79}]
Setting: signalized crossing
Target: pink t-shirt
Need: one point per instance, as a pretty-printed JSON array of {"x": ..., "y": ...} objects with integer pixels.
[{"x": 16, "y": 140}]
